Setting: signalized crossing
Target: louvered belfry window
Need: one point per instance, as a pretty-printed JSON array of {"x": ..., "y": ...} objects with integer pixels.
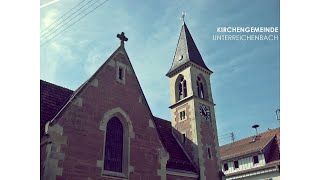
[
  {"x": 182, "y": 89},
  {"x": 200, "y": 88},
  {"x": 113, "y": 146}
]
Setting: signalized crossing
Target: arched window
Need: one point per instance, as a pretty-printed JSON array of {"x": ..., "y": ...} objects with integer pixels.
[
  {"x": 200, "y": 88},
  {"x": 182, "y": 88},
  {"x": 114, "y": 146}
]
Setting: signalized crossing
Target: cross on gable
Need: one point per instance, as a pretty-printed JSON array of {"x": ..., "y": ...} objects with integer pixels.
[{"x": 122, "y": 38}]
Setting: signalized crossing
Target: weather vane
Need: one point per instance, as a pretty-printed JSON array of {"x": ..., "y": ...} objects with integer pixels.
[{"x": 182, "y": 16}]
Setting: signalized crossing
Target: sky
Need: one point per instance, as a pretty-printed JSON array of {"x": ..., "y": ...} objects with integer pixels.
[{"x": 246, "y": 79}]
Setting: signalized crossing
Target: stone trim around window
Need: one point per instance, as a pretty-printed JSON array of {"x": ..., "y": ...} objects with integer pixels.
[
  {"x": 121, "y": 72},
  {"x": 127, "y": 134},
  {"x": 182, "y": 114}
]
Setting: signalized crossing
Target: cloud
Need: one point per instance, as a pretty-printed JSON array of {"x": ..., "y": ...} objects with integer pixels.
[
  {"x": 48, "y": 69},
  {"x": 236, "y": 63},
  {"x": 96, "y": 57},
  {"x": 57, "y": 53},
  {"x": 49, "y": 17}
]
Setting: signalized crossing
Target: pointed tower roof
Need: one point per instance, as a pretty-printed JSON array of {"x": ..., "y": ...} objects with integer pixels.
[{"x": 186, "y": 51}]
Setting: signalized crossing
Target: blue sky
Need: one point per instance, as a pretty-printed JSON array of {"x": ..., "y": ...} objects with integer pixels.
[{"x": 246, "y": 78}]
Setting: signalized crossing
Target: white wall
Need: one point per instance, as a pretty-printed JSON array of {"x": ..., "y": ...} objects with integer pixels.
[{"x": 244, "y": 164}]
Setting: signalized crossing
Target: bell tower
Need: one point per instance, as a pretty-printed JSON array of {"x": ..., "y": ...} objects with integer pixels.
[{"x": 192, "y": 107}]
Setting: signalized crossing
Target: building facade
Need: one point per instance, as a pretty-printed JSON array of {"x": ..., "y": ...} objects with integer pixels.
[
  {"x": 253, "y": 158},
  {"x": 105, "y": 129}
]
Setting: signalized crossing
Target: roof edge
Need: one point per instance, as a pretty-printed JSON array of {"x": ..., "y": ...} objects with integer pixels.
[
  {"x": 55, "y": 85},
  {"x": 83, "y": 86},
  {"x": 184, "y": 151},
  {"x": 267, "y": 131},
  {"x": 237, "y": 156},
  {"x": 175, "y": 52},
  {"x": 186, "y": 65}
]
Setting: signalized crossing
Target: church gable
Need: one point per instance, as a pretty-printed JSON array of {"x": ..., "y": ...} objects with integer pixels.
[{"x": 112, "y": 97}]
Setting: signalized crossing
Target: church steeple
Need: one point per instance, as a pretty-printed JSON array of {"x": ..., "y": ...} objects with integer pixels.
[
  {"x": 192, "y": 107},
  {"x": 186, "y": 52}
]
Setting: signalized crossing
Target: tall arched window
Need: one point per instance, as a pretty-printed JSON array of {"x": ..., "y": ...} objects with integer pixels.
[
  {"x": 114, "y": 146},
  {"x": 182, "y": 89},
  {"x": 200, "y": 88}
]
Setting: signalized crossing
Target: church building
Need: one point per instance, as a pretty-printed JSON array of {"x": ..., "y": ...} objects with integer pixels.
[{"x": 105, "y": 129}]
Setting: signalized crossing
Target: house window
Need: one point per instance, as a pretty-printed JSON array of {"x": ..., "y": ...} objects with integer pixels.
[
  {"x": 182, "y": 115},
  {"x": 182, "y": 89},
  {"x": 255, "y": 160},
  {"x": 209, "y": 153},
  {"x": 236, "y": 164},
  {"x": 225, "y": 166},
  {"x": 113, "y": 146}
]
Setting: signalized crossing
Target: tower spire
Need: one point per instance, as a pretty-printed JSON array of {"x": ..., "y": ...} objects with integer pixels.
[{"x": 186, "y": 51}]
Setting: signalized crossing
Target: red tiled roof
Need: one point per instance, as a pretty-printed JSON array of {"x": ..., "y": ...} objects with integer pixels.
[
  {"x": 178, "y": 159},
  {"x": 54, "y": 97},
  {"x": 247, "y": 146}
]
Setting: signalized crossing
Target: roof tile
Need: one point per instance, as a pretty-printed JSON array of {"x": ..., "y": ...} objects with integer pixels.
[
  {"x": 178, "y": 159},
  {"x": 52, "y": 99}
]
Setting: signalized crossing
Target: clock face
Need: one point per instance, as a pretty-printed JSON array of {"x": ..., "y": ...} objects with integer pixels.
[{"x": 204, "y": 112}]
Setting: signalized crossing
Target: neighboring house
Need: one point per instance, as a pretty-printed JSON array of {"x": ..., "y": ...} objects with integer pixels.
[
  {"x": 256, "y": 157},
  {"x": 106, "y": 130}
]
